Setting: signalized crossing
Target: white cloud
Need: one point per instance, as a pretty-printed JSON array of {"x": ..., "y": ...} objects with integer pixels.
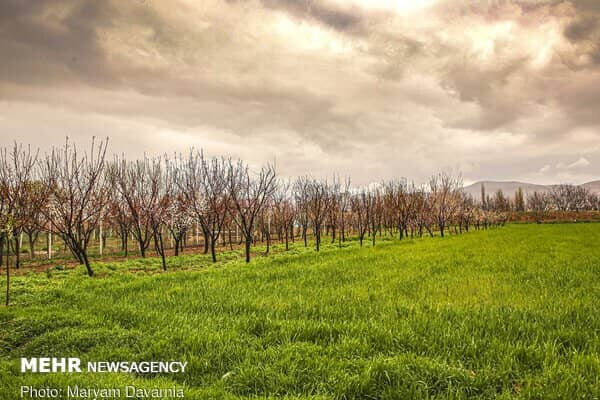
[{"x": 582, "y": 162}]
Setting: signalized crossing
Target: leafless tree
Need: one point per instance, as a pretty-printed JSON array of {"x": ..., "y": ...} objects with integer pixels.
[
  {"x": 301, "y": 196},
  {"x": 319, "y": 203},
  {"x": 399, "y": 202},
  {"x": 5, "y": 229},
  {"x": 214, "y": 178},
  {"x": 519, "y": 200},
  {"x": 538, "y": 203},
  {"x": 80, "y": 194},
  {"x": 500, "y": 202},
  {"x": 17, "y": 168},
  {"x": 161, "y": 181},
  {"x": 33, "y": 221},
  {"x": 374, "y": 209},
  {"x": 343, "y": 208},
  {"x": 119, "y": 214},
  {"x": 359, "y": 204},
  {"x": 178, "y": 219},
  {"x": 284, "y": 212},
  {"x": 16, "y": 174},
  {"x": 443, "y": 190},
  {"x": 137, "y": 196},
  {"x": 248, "y": 195}
]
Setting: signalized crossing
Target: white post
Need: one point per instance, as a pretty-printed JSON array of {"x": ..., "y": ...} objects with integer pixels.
[
  {"x": 101, "y": 241},
  {"x": 50, "y": 243}
]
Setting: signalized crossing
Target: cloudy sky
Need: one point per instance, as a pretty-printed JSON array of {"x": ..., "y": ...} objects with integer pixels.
[{"x": 497, "y": 89}]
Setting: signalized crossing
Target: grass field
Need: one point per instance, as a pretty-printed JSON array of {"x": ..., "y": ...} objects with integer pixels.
[{"x": 506, "y": 313}]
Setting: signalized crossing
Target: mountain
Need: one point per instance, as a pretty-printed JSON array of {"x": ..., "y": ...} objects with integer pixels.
[
  {"x": 593, "y": 187},
  {"x": 510, "y": 187}
]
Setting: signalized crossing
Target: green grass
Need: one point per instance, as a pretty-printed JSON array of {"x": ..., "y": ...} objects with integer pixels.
[{"x": 505, "y": 313}]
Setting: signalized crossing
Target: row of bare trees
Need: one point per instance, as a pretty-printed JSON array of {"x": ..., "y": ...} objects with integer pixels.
[{"x": 80, "y": 197}]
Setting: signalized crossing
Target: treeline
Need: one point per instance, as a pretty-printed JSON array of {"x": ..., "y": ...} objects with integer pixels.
[
  {"x": 561, "y": 198},
  {"x": 78, "y": 196}
]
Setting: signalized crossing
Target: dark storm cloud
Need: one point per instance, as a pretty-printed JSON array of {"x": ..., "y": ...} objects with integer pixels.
[
  {"x": 331, "y": 15},
  {"x": 53, "y": 41},
  {"x": 582, "y": 29},
  {"x": 334, "y": 17}
]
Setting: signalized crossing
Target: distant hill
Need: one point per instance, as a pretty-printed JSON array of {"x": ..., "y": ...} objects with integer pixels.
[
  {"x": 510, "y": 187},
  {"x": 592, "y": 186}
]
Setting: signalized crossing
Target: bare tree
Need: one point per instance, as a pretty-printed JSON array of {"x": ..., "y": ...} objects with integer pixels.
[
  {"x": 248, "y": 195},
  {"x": 132, "y": 180},
  {"x": 214, "y": 178},
  {"x": 118, "y": 212},
  {"x": 343, "y": 208},
  {"x": 161, "y": 182},
  {"x": 519, "y": 200},
  {"x": 538, "y": 203},
  {"x": 443, "y": 191},
  {"x": 359, "y": 204},
  {"x": 284, "y": 212},
  {"x": 374, "y": 210},
  {"x": 16, "y": 174},
  {"x": 80, "y": 194},
  {"x": 500, "y": 202},
  {"x": 178, "y": 219},
  {"x": 319, "y": 203},
  {"x": 301, "y": 196},
  {"x": 5, "y": 228},
  {"x": 33, "y": 220}
]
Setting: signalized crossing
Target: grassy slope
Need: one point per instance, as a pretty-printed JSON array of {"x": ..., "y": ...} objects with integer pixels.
[{"x": 509, "y": 313}]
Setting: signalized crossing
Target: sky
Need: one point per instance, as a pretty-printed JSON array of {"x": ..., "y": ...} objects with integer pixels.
[{"x": 371, "y": 89}]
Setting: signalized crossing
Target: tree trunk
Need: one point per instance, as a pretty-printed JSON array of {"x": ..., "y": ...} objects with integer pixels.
[
  {"x": 7, "y": 269},
  {"x": 287, "y": 244},
  {"x": 176, "y": 247},
  {"x": 87, "y": 263},
  {"x": 162, "y": 252},
  {"x": 318, "y": 238},
  {"x": 7, "y": 285},
  {"x": 31, "y": 245},
  {"x": 206, "y": 244},
  {"x": 248, "y": 243},
  {"x": 268, "y": 236},
  {"x": 213, "y": 252},
  {"x": 142, "y": 248},
  {"x": 17, "y": 250},
  {"x": 1, "y": 249},
  {"x": 160, "y": 248}
]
